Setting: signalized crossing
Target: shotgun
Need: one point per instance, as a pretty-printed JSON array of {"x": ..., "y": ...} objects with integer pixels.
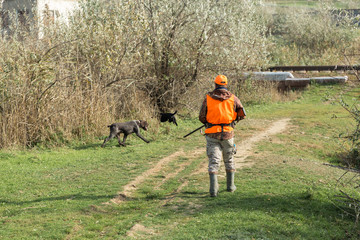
[{"x": 194, "y": 131}]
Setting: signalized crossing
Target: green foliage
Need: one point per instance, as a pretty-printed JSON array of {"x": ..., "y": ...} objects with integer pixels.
[
  {"x": 353, "y": 137},
  {"x": 348, "y": 197}
]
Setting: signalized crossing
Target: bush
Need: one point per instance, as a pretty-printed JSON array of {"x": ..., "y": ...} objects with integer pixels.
[
  {"x": 117, "y": 60},
  {"x": 353, "y": 138},
  {"x": 306, "y": 36},
  {"x": 348, "y": 197}
]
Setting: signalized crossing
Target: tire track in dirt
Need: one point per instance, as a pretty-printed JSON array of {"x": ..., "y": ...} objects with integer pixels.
[
  {"x": 245, "y": 151},
  {"x": 245, "y": 147},
  {"x": 179, "y": 168},
  {"x": 131, "y": 187}
]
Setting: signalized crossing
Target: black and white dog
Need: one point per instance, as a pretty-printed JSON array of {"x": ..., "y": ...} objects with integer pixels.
[
  {"x": 168, "y": 117},
  {"x": 126, "y": 128}
]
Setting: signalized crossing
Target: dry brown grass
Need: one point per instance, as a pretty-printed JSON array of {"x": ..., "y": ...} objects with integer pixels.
[{"x": 80, "y": 77}]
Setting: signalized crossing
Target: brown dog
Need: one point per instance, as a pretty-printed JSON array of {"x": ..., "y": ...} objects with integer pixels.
[{"x": 126, "y": 128}]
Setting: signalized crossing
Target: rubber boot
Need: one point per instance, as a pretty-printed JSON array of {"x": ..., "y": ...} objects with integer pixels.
[
  {"x": 230, "y": 186},
  {"x": 214, "y": 186}
]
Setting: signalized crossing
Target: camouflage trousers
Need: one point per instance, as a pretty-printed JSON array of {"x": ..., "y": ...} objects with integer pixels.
[{"x": 218, "y": 150}]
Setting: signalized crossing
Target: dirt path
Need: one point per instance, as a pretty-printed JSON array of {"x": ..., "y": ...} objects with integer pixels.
[
  {"x": 131, "y": 187},
  {"x": 244, "y": 150}
]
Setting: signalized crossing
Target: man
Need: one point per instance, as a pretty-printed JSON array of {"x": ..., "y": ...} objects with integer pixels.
[{"x": 219, "y": 112}]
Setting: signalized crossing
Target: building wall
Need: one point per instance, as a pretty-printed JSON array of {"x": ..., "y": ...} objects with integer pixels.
[
  {"x": 62, "y": 6},
  {"x": 60, "y": 9},
  {"x": 22, "y": 10},
  {"x": 48, "y": 11},
  {"x": 11, "y": 5},
  {"x": 19, "y": 6}
]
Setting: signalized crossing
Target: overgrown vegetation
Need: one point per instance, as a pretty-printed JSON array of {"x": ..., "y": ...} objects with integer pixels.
[
  {"x": 352, "y": 137},
  {"x": 118, "y": 60},
  {"x": 313, "y": 36},
  {"x": 348, "y": 198}
]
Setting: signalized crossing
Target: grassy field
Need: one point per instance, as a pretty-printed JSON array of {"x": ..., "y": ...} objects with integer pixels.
[{"x": 286, "y": 192}]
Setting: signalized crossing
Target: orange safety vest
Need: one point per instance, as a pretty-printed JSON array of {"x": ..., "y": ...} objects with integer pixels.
[{"x": 221, "y": 114}]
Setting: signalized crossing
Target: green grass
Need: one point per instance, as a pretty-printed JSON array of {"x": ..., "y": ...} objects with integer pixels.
[{"x": 287, "y": 194}]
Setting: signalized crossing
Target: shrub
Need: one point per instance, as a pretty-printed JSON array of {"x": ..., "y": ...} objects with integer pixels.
[
  {"x": 348, "y": 197},
  {"x": 315, "y": 36},
  {"x": 116, "y": 60},
  {"x": 352, "y": 138}
]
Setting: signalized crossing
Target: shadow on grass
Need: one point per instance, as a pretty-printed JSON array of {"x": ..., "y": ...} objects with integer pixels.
[
  {"x": 193, "y": 194},
  {"x": 58, "y": 198},
  {"x": 87, "y": 146},
  {"x": 109, "y": 145},
  {"x": 285, "y": 216},
  {"x": 304, "y": 205}
]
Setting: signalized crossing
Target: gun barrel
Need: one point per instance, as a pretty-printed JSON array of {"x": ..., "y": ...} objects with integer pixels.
[{"x": 194, "y": 131}]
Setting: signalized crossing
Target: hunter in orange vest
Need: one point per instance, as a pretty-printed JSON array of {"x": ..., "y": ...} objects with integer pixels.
[{"x": 219, "y": 112}]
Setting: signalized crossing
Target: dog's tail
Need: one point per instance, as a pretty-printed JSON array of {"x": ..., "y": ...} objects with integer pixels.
[{"x": 174, "y": 112}]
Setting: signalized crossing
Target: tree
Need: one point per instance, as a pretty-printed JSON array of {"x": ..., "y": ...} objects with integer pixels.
[
  {"x": 188, "y": 39},
  {"x": 165, "y": 47}
]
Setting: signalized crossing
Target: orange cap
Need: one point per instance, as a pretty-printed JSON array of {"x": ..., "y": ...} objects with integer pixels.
[{"x": 221, "y": 80}]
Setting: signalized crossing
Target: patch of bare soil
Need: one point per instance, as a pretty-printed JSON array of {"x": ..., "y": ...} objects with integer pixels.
[
  {"x": 77, "y": 227},
  {"x": 138, "y": 228}
]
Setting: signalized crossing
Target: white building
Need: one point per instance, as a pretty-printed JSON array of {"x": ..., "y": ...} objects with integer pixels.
[{"x": 47, "y": 11}]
